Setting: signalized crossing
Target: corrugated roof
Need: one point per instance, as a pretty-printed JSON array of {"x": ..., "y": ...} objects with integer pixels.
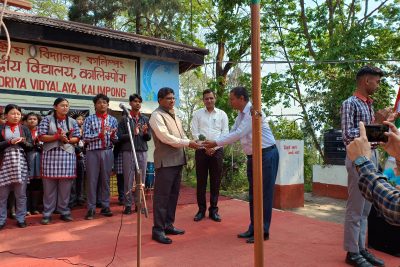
[{"x": 108, "y": 33}]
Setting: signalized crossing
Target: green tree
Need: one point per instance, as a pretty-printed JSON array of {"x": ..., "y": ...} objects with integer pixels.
[
  {"x": 228, "y": 26},
  {"x": 57, "y": 9},
  {"x": 336, "y": 31},
  {"x": 96, "y": 12}
]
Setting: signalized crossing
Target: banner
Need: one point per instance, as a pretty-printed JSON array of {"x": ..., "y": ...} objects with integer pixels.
[{"x": 48, "y": 71}]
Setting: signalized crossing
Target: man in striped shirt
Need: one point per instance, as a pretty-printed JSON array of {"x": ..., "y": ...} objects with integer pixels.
[
  {"x": 99, "y": 133},
  {"x": 358, "y": 108}
]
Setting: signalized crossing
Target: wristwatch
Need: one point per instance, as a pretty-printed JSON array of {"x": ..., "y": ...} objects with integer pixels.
[{"x": 360, "y": 160}]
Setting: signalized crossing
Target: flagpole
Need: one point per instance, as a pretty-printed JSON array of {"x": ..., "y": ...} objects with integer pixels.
[{"x": 256, "y": 131}]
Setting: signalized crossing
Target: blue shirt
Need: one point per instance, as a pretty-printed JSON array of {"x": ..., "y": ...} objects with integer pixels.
[
  {"x": 242, "y": 130},
  {"x": 92, "y": 129},
  {"x": 392, "y": 176}
]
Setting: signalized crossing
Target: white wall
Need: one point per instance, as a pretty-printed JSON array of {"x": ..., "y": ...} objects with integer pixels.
[
  {"x": 291, "y": 162},
  {"x": 330, "y": 174}
]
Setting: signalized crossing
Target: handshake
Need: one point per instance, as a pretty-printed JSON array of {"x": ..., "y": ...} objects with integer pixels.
[{"x": 202, "y": 143}]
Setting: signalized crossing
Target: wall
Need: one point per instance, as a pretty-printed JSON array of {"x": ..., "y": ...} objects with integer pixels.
[
  {"x": 330, "y": 181},
  {"x": 289, "y": 186}
]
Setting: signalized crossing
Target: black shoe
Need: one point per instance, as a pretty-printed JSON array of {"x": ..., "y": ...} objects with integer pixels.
[
  {"x": 251, "y": 239},
  {"x": 66, "y": 218},
  {"x": 356, "y": 259},
  {"x": 215, "y": 217},
  {"x": 246, "y": 234},
  {"x": 2, "y": 225},
  {"x": 21, "y": 224},
  {"x": 199, "y": 216},
  {"x": 127, "y": 210},
  {"x": 106, "y": 212},
  {"x": 161, "y": 238},
  {"x": 171, "y": 230},
  {"x": 12, "y": 215},
  {"x": 371, "y": 258},
  {"x": 45, "y": 220},
  {"x": 35, "y": 212},
  {"x": 120, "y": 202},
  {"x": 90, "y": 215}
]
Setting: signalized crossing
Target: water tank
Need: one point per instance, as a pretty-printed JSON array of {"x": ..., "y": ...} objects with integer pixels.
[{"x": 334, "y": 148}]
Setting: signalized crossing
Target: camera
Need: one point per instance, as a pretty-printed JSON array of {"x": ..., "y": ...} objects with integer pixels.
[{"x": 376, "y": 132}]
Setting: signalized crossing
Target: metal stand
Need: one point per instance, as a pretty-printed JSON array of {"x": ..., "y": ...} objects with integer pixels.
[{"x": 141, "y": 196}]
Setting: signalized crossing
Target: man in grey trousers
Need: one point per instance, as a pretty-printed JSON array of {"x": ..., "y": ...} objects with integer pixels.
[
  {"x": 358, "y": 108},
  {"x": 169, "y": 158},
  {"x": 99, "y": 132}
]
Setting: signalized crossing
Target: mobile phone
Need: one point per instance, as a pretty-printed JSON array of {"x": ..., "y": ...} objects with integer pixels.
[{"x": 376, "y": 132}]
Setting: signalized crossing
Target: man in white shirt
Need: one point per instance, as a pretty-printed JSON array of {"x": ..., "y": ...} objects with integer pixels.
[
  {"x": 209, "y": 123},
  {"x": 242, "y": 130}
]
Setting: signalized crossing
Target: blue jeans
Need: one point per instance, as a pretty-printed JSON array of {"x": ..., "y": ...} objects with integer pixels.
[{"x": 270, "y": 163}]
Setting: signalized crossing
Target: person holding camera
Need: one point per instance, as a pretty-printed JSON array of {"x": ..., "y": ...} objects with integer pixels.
[
  {"x": 355, "y": 109},
  {"x": 374, "y": 186}
]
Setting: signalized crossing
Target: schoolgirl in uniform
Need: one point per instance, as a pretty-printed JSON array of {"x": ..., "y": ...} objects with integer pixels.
[
  {"x": 59, "y": 133},
  {"x": 15, "y": 142},
  {"x": 35, "y": 187}
]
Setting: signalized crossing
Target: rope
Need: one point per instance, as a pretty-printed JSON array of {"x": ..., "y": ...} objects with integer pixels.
[{"x": 2, "y": 25}]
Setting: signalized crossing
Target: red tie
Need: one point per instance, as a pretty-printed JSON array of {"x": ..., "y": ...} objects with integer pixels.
[
  {"x": 12, "y": 126},
  {"x": 103, "y": 118}
]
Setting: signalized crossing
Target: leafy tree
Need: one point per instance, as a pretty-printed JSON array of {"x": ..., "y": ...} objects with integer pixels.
[
  {"x": 228, "y": 27},
  {"x": 51, "y": 8},
  {"x": 338, "y": 31},
  {"x": 96, "y": 12}
]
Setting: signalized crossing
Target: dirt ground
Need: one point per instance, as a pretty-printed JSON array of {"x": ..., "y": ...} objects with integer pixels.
[{"x": 322, "y": 208}]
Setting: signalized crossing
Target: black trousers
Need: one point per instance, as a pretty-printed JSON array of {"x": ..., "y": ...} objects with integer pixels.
[
  {"x": 208, "y": 165},
  {"x": 166, "y": 193}
]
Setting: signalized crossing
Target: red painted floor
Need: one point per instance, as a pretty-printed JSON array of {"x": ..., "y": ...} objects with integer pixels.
[{"x": 295, "y": 240}]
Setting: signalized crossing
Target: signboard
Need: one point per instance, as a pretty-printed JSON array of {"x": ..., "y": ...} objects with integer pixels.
[{"x": 51, "y": 72}]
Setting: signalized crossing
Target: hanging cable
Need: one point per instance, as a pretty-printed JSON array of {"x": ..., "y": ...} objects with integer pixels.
[
  {"x": 315, "y": 62},
  {"x": 2, "y": 25}
]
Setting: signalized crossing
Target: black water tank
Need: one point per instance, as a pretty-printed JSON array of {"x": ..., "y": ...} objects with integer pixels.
[{"x": 334, "y": 148}]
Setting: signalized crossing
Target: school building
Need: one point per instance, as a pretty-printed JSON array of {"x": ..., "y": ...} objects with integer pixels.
[{"x": 51, "y": 58}]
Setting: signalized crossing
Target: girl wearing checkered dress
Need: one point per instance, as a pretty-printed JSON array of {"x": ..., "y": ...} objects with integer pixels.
[
  {"x": 59, "y": 133},
  {"x": 34, "y": 192},
  {"x": 15, "y": 142}
]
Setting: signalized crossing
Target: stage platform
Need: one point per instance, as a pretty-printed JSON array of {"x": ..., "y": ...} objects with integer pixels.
[{"x": 295, "y": 240}]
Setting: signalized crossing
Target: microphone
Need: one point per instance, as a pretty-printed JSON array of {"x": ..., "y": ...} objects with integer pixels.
[{"x": 124, "y": 108}]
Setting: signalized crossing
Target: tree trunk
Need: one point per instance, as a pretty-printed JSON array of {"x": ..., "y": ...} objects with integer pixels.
[
  {"x": 138, "y": 25},
  {"x": 219, "y": 69}
]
